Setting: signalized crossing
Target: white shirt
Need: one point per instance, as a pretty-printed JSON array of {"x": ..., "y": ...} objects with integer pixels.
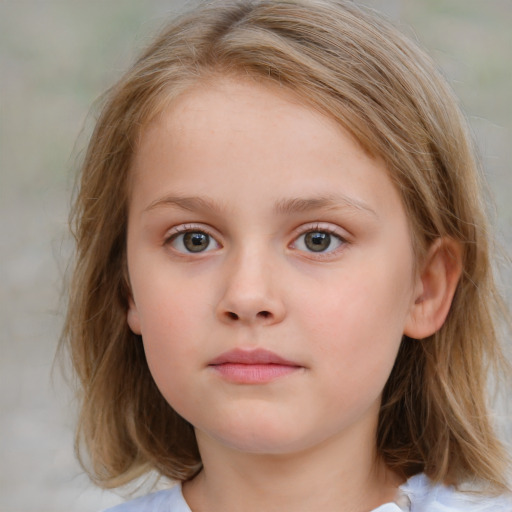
[{"x": 416, "y": 495}]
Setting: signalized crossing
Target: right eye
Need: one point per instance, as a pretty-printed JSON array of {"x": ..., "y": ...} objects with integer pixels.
[{"x": 192, "y": 241}]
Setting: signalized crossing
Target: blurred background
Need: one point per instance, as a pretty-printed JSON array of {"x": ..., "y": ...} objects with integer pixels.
[{"x": 56, "y": 57}]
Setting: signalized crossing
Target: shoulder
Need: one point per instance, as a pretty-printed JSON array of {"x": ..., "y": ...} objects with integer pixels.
[
  {"x": 169, "y": 500},
  {"x": 427, "y": 497}
]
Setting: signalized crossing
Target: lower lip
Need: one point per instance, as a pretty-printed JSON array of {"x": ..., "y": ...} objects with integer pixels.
[{"x": 253, "y": 373}]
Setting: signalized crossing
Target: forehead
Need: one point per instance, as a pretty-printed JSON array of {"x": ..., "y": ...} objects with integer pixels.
[
  {"x": 220, "y": 106},
  {"x": 244, "y": 133},
  {"x": 229, "y": 99}
]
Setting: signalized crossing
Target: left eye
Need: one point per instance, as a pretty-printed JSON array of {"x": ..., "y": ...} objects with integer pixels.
[
  {"x": 193, "y": 242},
  {"x": 318, "y": 241}
]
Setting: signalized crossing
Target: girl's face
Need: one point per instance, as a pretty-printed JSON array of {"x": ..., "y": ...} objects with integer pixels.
[{"x": 271, "y": 268}]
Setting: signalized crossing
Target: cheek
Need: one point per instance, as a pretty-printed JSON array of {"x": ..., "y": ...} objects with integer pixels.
[
  {"x": 170, "y": 319},
  {"x": 166, "y": 302},
  {"x": 171, "y": 358},
  {"x": 169, "y": 327},
  {"x": 358, "y": 321}
]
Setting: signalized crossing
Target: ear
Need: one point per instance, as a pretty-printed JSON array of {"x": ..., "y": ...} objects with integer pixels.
[
  {"x": 435, "y": 288},
  {"x": 132, "y": 317}
]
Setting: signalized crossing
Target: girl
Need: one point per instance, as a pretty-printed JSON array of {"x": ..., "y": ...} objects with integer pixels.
[{"x": 282, "y": 297}]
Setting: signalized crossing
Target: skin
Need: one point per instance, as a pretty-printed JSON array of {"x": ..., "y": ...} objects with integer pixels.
[{"x": 255, "y": 170}]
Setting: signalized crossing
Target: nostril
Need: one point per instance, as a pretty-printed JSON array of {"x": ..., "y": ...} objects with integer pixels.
[{"x": 230, "y": 315}]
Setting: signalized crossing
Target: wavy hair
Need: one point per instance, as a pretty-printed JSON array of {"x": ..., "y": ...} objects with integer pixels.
[{"x": 351, "y": 65}]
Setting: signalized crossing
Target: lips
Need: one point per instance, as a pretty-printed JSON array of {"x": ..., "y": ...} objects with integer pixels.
[{"x": 252, "y": 366}]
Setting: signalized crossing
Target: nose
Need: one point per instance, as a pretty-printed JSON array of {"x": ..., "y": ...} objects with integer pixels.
[{"x": 251, "y": 291}]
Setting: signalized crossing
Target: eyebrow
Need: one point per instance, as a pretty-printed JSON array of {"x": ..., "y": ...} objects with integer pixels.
[
  {"x": 327, "y": 202},
  {"x": 192, "y": 203},
  {"x": 281, "y": 207}
]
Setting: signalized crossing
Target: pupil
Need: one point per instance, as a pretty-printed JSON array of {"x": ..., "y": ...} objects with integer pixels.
[
  {"x": 196, "y": 242},
  {"x": 317, "y": 241}
]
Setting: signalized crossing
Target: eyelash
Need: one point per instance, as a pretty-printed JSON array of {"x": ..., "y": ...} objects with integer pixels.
[
  {"x": 320, "y": 228},
  {"x": 301, "y": 232},
  {"x": 188, "y": 228}
]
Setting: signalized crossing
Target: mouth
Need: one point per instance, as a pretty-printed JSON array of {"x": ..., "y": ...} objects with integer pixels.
[{"x": 257, "y": 366}]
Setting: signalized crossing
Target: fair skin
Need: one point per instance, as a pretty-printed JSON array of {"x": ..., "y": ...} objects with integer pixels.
[{"x": 256, "y": 223}]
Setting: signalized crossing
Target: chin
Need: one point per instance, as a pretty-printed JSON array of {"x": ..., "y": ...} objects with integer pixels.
[{"x": 263, "y": 439}]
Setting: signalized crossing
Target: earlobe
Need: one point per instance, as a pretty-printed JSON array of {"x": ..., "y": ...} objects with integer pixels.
[
  {"x": 437, "y": 282},
  {"x": 132, "y": 317}
]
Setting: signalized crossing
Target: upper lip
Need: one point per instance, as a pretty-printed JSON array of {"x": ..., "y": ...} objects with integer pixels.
[{"x": 254, "y": 356}]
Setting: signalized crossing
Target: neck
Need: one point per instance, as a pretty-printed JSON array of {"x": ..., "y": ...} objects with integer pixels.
[{"x": 330, "y": 476}]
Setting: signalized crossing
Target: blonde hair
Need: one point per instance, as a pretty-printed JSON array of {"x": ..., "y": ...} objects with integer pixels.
[{"x": 353, "y": 66}]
